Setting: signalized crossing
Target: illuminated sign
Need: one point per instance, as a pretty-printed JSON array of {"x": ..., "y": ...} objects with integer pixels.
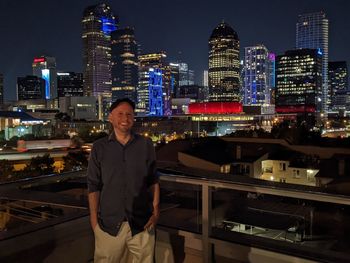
[
  {"x": 39, "y": 60},
  {"x": 215, "y": 108},
  {"x": 62, "y": 74},
  {"x": 45, "y": 73}
]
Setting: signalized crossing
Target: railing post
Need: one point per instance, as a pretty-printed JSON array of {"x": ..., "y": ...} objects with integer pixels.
[{"x": 206, "y": 223}]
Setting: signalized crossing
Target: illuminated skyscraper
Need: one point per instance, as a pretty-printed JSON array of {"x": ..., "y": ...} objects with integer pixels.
[
  {"x": 256, "y": 83},
  {"x": 338, "y": 84},
  {"x": 1, "y": 89},
  {"x": 272, "y": 75},
  {"x": 299, "y": 81},
  {"x": 31, "y": 87},
  {"x": 193, "y": 92},
  {"x": 224, "y": 64},
  {"x": 149, "y": 80},
  {"x": 186, "y": 75},
  {"x": 312, "y": 32},
  {"x": 45, "y": 67},
  {"x": 155, "y": 77},
  {"x": 124, "y": 64},
  {"x": 70, "y": 84},
  {"x": 181, "y": 76},
  {"x": 175, "y": 76},
  {"x": 98, "y": 22},
  {"x": 205, "y": 84},
  {"x": 205, "y": 79}
]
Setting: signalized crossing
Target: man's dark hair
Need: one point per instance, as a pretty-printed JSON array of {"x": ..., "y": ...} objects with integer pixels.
[{"x": 118, "y": 101}]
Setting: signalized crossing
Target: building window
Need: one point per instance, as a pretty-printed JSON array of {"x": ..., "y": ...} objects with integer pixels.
[
  {"x": 246, "y": 169},
  {"x": 282, "y": 166},
  {"x": 225, "y": 169},
  {"x": 268, "y": 170},
  {"x": 296, "y": 174}
]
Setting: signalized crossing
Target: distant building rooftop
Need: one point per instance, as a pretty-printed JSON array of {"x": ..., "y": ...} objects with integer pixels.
[{"x": 218, "y": 151}]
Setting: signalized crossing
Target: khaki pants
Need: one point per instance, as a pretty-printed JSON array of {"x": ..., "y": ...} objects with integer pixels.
[{"x": 124, "y": 247}]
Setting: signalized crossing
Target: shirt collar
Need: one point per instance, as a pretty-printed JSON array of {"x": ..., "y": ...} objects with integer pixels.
[{"x": 112, "y": 137}]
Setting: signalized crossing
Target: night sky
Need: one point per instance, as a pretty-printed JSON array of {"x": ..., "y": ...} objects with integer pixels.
[{"x": 31, "y": 28}]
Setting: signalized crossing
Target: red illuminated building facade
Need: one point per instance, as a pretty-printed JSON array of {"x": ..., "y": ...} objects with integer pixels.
[{"x": 215, "y": 108}]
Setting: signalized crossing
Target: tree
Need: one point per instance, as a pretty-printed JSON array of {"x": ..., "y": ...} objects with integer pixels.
[
  {"x": 13, "y": 141},
  {"x": 75, "y": 161},
  {"x": 84, "y": 132},
  {"x": 40, "y": 165}
]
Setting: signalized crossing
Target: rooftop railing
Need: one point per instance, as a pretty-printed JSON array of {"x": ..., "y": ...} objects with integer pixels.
[
  {"x": 303, "y": 222},
  {"x": 308, "y": 223}
]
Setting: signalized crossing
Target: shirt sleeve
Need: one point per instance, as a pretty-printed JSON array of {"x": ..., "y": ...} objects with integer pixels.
[
  {"x": 94, "y": 172},
  {"x": 153, "y": 176}
]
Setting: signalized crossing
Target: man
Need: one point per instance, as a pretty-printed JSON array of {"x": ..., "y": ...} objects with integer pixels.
[{"x": 123, "y": 191}]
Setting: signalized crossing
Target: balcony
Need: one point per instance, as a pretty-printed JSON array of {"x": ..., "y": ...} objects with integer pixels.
[{"x": 205, "y": 217}]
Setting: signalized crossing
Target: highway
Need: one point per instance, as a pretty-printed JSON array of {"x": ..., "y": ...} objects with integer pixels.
[{"x": 16, "y": 156}]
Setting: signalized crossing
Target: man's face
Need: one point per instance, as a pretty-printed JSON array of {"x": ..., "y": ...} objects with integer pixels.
[{"x": 122, "y": 118}]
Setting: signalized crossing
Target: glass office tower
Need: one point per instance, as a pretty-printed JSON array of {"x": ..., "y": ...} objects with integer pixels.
[
  {"x": 224, "y": 64},
  {"x": 312, "y": 32}
]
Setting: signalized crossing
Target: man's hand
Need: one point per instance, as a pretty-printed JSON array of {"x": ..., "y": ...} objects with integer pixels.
[
  {"x": 94, "y": 198},
  {"x": 153, "y": 220},
  {"x": 93, "y": 222}
]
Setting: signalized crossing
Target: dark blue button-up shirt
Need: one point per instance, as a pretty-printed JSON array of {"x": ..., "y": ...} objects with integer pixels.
[{"x": 123, "y": 174}]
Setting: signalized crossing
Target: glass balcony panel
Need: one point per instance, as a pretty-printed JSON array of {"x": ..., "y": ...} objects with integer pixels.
[
  {"x": 181, "y": 206},
  {"x": 296, "y": 226}
]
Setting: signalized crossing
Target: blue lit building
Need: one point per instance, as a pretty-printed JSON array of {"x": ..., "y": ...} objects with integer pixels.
[
  {"x": 45, "y": 67},
  {"x": 258, "y": 69},
  {"x": 155, "y": 92},
  {"x": 147, "y": 64}
]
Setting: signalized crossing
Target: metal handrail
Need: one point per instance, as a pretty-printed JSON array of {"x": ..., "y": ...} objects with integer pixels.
[{"x": 207, "y": 184}]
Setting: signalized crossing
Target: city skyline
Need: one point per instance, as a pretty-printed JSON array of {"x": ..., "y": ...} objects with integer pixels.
[{"x": 55, "y": 30}]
